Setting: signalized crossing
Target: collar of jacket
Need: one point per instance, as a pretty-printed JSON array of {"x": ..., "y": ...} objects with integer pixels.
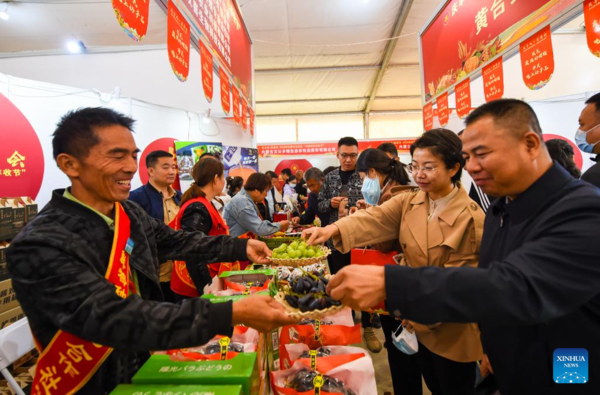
[
  {"x": 456, "y": 206},
  {"x": 152, "y": 189},
  {"x": 243, "y": 193},
  {"x": 61, "y": 202},
  {"x": 534, "y": 197}
]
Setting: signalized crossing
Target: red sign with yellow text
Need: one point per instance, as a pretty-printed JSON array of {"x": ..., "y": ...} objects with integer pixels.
[
  {"x": 206, "y": 61},
  {"x": 225, "y": 91},
  {"x": 251, "y": 111},
  {"x": 591, "y": 12},
  {"x": 466, "y": 34},
  {"x": 428, "y": 116},
  {"x": 132, "y": 15},
  {"x": 329, "y": 148},
  {"x": 463, "y": 98},
  {"x": 493, "y": 80},
  {"x": 442, "y": 107},
  {"x": 235, "y": 95},
  {"x": 178, "y": 42},
  {"x": 537, "y": 59},
  {"x": 244, "y": 114}
]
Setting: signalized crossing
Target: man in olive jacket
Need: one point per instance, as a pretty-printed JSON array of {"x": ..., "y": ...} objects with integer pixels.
[{"x": 59, "y": 264}]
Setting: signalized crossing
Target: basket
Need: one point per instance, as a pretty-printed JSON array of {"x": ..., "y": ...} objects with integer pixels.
[
  {"x": 313, "y": 315},
  {"x": 274, "y": 242},
  {"x": 299, "y": 262}
]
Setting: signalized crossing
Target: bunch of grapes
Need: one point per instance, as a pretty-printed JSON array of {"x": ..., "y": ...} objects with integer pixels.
[{"x": 297, "y": 250}]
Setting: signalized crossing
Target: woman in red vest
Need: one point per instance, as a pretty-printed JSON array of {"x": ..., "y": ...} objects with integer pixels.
[{"x": 197, "y": 214}]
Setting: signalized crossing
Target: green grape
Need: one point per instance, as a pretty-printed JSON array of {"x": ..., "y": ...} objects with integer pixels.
[
  {"x": 310, "y": 253},
  {"x": 284, "y": 256},
  {"x": 283, "y": 247},
  {"x": 301, "y": 248},
  {"x": 302, "y": 244},
  {"x": 319, "y": 253},
  {"x": 294, "y": 245}
]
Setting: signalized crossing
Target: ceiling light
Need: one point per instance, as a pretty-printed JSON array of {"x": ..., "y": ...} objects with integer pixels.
[
  {"x": 206, "y": 117},
  {"x": 75, "y": 46}
]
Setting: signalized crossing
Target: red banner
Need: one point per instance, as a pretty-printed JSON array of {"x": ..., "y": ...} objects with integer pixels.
[
  {"x": 329, "y": 148},
  {"x": 466, "y": 34},
  {"x": 178, "y": 42},
  {"x": 428, "y": 116},
  {"x": 462, "y": 94},
  {"x": 244, "y": 114},
  {"x": 442, "y": 107},
  {"x": 222, "y": 25},
  {"x": 225, "y": 94},
  {"x": 206, "y": 61},
  {"x": 235, "y": 95},
  {"x": 251, "y": 111},
  {"x": 132, "y": 15},
  {"x": 591, "y": 12},
  {"x": 493, "y": 80},
  {"x": 537, "y": 59}
]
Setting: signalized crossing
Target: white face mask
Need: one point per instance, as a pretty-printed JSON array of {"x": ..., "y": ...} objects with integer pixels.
[{"x": 581, "y": 140}]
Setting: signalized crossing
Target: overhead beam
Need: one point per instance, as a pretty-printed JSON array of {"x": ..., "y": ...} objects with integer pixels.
[
  {"x": 336, "y": 99},
  {"x": 87, "y": 51},
  {"x": 331, "y": 68},
  {"x": 344, "y": 113},
  {"x": 400, "y": 21}
]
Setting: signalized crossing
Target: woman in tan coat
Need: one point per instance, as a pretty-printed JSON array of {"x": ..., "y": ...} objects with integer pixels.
[{"x": 437, "y": 225}]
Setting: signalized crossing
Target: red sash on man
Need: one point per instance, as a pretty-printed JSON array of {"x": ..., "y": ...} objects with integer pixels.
[
  {"x": 181, "y": 281},
  {"x": 68, "y": 362}
]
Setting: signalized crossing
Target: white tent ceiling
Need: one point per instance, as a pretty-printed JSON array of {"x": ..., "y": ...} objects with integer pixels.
[{"x": 306, "y": 55}]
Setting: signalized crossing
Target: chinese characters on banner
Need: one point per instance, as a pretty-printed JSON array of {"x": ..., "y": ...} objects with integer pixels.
[
  {"x": 493, "y": 80},
  {"x": 178, "y": 42},
  {"x": 235, "y": 100},
  {"x": 428, "y": 116},
  {"x": 206, "y": 61},
  {"x": 442, "y": 107},
  {"x": 244, "y": 114},
  {"x": 463, "y": 98},
  {"x": 591, "y": 12},
  {"x": 537, "y": 59},
  {"x": 325, "y": 148},
  {"x": 132, "y": 15},
  {"x": 251, "y": 111},
  {"x": 225, "y": 99}
]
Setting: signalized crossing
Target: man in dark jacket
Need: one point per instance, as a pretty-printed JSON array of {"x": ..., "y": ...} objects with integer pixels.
[
  {"x": 589, "y": 123},
  {"x": 314, "y": 181},
  {"x": 85, "y": 270},
  {"x": 160, "y": 201},
  {"x": 535, "y": 293}
]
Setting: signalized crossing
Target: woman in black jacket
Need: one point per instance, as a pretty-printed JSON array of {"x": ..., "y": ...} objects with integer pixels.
[{"x": 198, "y": 214}]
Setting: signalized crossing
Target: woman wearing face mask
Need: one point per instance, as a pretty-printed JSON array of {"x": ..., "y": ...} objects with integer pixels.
[
  {"x": 198, "y": 214},
  {"x": 438, "y": 225},
  {"x": 380, "y": 174}
]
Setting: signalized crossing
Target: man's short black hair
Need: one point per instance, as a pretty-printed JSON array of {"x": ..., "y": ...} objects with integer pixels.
[
  {"x": 154, "y": 156},
  {"x": 596, "y": 100},
  {"x": 511, "y": 114},
  {"x": 348, "y": 141},
  {"x": 271, "y": 174},
  {"x": 389, "y": 148},
  {"x": 314, "y": 174},
  {"x": 287, "y": 172},
  {"x": 76, "y": 132},
  {"x": 258, "y": 182}
]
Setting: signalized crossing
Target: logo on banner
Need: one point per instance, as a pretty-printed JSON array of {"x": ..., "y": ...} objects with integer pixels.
[{"x": 570, "y": 366}]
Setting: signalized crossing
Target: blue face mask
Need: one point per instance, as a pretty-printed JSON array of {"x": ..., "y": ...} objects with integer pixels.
[
  {"x": 581, "y": 140},
  {"x": 371, "y": 190},
  {"x": 405, "y": 342}
]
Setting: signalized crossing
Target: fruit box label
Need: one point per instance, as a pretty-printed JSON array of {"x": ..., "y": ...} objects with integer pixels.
[{"x": 167, "y": 389}]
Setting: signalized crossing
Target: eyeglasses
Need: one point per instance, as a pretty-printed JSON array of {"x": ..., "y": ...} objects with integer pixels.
[
  {"x": 427, "y": 170},
  {"x": 349, "y": 156}
]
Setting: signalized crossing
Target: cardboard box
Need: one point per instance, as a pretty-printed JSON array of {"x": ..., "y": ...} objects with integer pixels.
[
  {"x": 31, "y": 208},
  {"x": 232, "y": 298},
  {"x": 3, "y": 264},
  {"x": 163, "y": 389},
  {"x": 18, "y": 215},
  {"x": 240, "y": 370},
  {"x": 8, "y": 298},
  {"x": 11, "y": 316},
  {"x": 6, "y": 220}
]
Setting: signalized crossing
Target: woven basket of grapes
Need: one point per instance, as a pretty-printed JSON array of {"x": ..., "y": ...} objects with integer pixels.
[
  {"x": 306, "y": 297},
  {"x": 298, "y": 254},
  {"x": 275, "y": 241}
]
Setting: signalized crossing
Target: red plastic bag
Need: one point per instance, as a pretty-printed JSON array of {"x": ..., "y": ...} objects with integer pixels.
[{"x": 361, "y": 256}]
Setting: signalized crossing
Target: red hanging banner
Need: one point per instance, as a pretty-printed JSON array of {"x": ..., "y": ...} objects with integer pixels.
[
  {"x": 206, "y": 61},
  {"x": 225, "y": 87},
  {"x": 591, "y": 12},
  {"x": 178, "y": 42},
  {"x": 244, "y": 114},
  {"x": 235, "y": 100},
  {"x": 428, "y": 116},
  {"x": 442, "y": 107},
  {"x": 132, "y": 15},
  {"x": 251, "y": 120},
  {"x": 493, "y": 80},
  {"x": 463, "y": 98},
  {"x": 537, "y": 59}
]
